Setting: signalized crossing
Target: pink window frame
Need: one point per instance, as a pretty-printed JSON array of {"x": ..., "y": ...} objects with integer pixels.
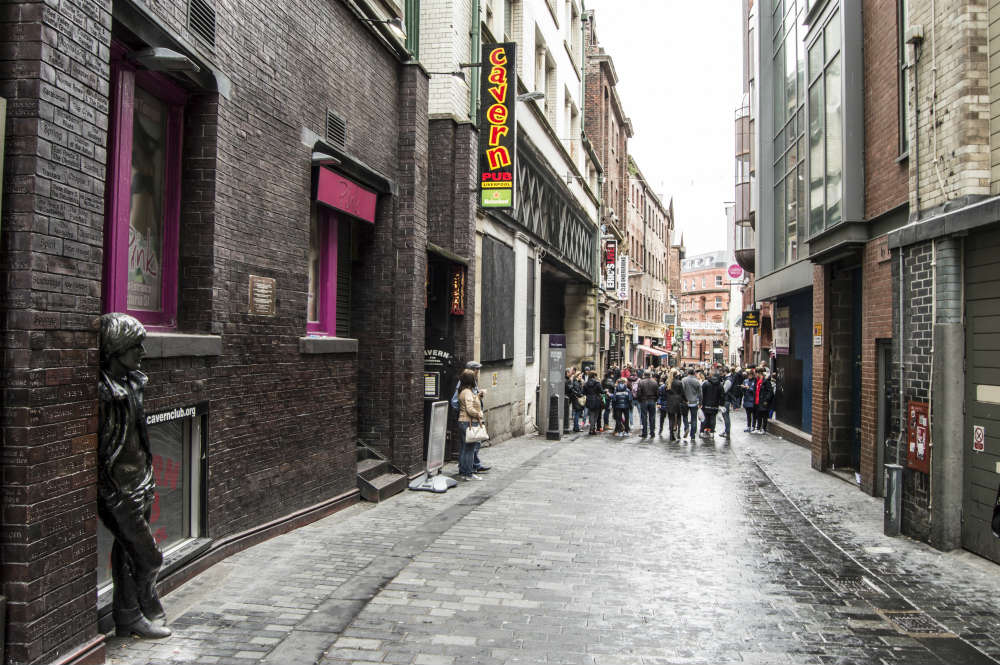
[
  {"x": 326, "y": 286},
  {"x": 124, "y": 79}
]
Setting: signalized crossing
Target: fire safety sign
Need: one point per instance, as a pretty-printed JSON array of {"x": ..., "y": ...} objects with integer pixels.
[{"x": 978, "y": 438}]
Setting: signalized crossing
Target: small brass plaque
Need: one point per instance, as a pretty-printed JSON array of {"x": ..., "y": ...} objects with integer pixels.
[{"x": 263, "y": 296}]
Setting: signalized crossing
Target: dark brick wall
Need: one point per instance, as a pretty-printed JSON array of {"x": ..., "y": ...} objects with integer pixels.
[
  {"x": 451, "y": 207},
  {"x": 838, "y": 337},
  {"x": 916, "y": 338},
  {"x": 282, "y": 426},
  {"x": 53, "y": 71}
]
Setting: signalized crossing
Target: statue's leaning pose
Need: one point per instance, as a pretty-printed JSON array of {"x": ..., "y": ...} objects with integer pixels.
[{"x": 125, "y": 487}]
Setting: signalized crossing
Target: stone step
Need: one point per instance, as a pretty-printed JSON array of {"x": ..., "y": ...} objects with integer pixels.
[
  {"x": 372, "y": 467},
  {"x": 382, "y": 487}
]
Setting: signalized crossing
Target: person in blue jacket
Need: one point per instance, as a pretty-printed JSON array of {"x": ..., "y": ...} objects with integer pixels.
[{"x": 622, "y": 400}]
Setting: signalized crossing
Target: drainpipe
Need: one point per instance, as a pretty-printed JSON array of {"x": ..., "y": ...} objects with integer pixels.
[
  {"x": 946, "y": 396},
  {"x": 474, "y": 54}
]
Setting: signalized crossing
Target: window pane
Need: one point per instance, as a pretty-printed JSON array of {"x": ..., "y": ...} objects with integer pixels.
[
  {"x": 831, "y": 35},
  {"x": 802, "y": 220},
  {"x": 834, "y": 142},
  {"x": 816, "y": 59},
  {"x": 791, "y": 216},
  {"x": 790, "y": 74},
  {"x": 145, "y": 232},
  {"x": 314, "y": 254},
  {"x": 779, "y": 88},
  {"x": 779, "y": 224},
  {"x": 816, "y": 162}
]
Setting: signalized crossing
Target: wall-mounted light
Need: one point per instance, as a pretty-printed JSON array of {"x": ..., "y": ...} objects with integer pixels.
[
  {"x": 457, "y": 74},
  {"x": 160, "y": 59},
  {"x": 530, "y": 96},
  {"x": 395, "y": 24},
  {"x": 324, "y": 159}
]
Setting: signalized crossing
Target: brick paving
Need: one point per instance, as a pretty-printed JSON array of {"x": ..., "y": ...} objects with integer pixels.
[{"x": 601, "y": 551}]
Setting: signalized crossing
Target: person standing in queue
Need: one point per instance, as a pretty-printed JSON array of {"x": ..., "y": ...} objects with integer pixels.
[
  {"x": 592, "y": 390},
  {"x": 470, "y": 410}
]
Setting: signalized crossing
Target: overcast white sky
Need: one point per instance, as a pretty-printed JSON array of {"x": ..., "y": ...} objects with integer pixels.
[{"x": 678, "y": 65}]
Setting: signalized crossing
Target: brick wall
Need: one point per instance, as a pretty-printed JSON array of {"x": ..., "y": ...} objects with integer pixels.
[
  {"x": 916, "y": 335},
  {"x": 282, "y": 426},
  {"x": 54, "y": 74},
  {"x": 955, "y": 118},
  {"x": 886, "y": 180},
  {"x": 876, "y": 323},
  {"x": 821, "y": 370},
  {"x": 451, "y": 207}
]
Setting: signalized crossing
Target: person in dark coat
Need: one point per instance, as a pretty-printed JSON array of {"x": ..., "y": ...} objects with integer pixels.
[
  {"x": 592, "y": 390},
  {"x": 763, "y": 395},
  {"x": 622, "y": 401},
  {"x": 749, "y": 386},
  {"x": 712, "y": 396},
  {"x": 646, "y": 396}
]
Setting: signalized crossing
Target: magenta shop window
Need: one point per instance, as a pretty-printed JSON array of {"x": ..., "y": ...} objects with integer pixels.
[{"x": 141, "y": 233}]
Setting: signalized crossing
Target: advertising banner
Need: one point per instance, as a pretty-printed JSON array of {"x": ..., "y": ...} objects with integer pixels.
[
  {"x": 622, "y": 276},
  {"x": 497, "y": 127},
  {"x": 782, "y": 330},
  {"x": 611, "y": 265}
]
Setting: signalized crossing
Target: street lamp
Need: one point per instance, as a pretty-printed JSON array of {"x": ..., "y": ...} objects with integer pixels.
[
  {"x": 395, "y": 24},
  {"x": 530, "y": 96}
]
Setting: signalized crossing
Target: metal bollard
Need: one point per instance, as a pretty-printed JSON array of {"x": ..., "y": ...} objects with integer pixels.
[
  {"x": 552, "y": 433},
  {"x": 893, "y": 516}
]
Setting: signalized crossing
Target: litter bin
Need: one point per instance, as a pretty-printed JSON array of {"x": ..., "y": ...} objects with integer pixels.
[{"x": 893, "y": 516}]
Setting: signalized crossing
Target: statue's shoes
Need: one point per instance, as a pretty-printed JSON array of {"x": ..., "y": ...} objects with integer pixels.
[{"x": 144, "y": 629}]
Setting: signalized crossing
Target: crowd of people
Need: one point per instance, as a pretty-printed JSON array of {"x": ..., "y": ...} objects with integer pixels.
[{"x": 689, "y": 400}]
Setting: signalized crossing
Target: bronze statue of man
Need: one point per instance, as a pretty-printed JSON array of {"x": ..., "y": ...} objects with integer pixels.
[{"x": 125, "y": 487}]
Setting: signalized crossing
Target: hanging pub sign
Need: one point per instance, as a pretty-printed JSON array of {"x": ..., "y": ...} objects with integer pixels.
[
  {"x": 611, "y": 265},
  {"x": 751, "y": 318},
  {"x": 497, "y": 127},
  {"x": 457, "y": 290}
]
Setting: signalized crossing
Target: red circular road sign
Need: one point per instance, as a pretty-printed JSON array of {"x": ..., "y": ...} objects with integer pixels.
[{"x": 735, "y": 271}]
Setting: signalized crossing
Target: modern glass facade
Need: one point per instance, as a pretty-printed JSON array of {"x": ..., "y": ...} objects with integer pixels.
[
  {"x": 788, "y": 128},
  {"x": 826, "y": 123}
]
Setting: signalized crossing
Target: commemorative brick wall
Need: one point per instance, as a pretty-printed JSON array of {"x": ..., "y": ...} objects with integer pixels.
[
  {"x": 53, "y": 71},
  {"x": 282, "y": 426}
]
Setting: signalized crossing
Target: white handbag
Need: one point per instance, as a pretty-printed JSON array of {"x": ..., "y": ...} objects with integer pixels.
[{"x": 476, "y": 433}]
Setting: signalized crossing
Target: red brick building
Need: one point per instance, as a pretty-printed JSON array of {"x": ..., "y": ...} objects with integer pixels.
[{"x": 704, "y": 307}]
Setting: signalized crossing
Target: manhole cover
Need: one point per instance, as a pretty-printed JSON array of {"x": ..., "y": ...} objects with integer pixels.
[
  {"x": 860, "y": 586},
  {"x": 916, "y": 623}
]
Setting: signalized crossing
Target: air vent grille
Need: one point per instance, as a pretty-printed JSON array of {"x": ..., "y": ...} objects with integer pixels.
[
  {"x": 201, "y": 20},
  {"x": 336, "y": 129}
]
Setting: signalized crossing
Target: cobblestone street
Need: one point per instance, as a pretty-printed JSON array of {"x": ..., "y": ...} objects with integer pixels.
[{"x": 596, "y": 550}]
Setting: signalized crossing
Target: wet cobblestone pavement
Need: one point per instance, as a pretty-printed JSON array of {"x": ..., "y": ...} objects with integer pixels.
[{"x": 596, "y": 550}]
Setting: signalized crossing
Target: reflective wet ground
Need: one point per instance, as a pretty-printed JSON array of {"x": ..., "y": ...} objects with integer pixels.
[{"x": 596, "y": 550}]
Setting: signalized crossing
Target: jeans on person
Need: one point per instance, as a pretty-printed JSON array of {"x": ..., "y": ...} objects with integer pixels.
[
  {"x": 693, "y": 419},
  {"x": 647, "y": 415},
  {"x": 725, "y": 418},
  {"x": 577, "y": 417},
  {"x": 751, "y": 418},
  {"x": 607, "y": 414},
  {"x": 467, "y": 452},
  {"x": 684, "y": 421},
  {"x": 663, "y": 416}
]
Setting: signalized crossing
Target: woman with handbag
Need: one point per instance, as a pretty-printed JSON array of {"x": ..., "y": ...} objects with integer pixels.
[{"x": 470, "y": 417}]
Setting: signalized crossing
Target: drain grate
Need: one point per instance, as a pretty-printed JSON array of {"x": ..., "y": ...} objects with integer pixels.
[
  {"x": 916, "y": 624},
  {"x": 857, "y": 585}
]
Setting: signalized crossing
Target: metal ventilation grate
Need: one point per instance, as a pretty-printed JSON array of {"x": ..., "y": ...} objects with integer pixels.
[
  {"x": 336, "y": 129},
  {"x": 201, "y": 20}
]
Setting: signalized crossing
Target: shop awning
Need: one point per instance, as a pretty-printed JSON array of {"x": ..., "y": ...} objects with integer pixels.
[{"x": 649, "y": 349}]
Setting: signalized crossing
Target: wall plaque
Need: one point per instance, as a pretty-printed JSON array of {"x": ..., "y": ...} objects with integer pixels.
[{"x": 263, "y": 296}]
